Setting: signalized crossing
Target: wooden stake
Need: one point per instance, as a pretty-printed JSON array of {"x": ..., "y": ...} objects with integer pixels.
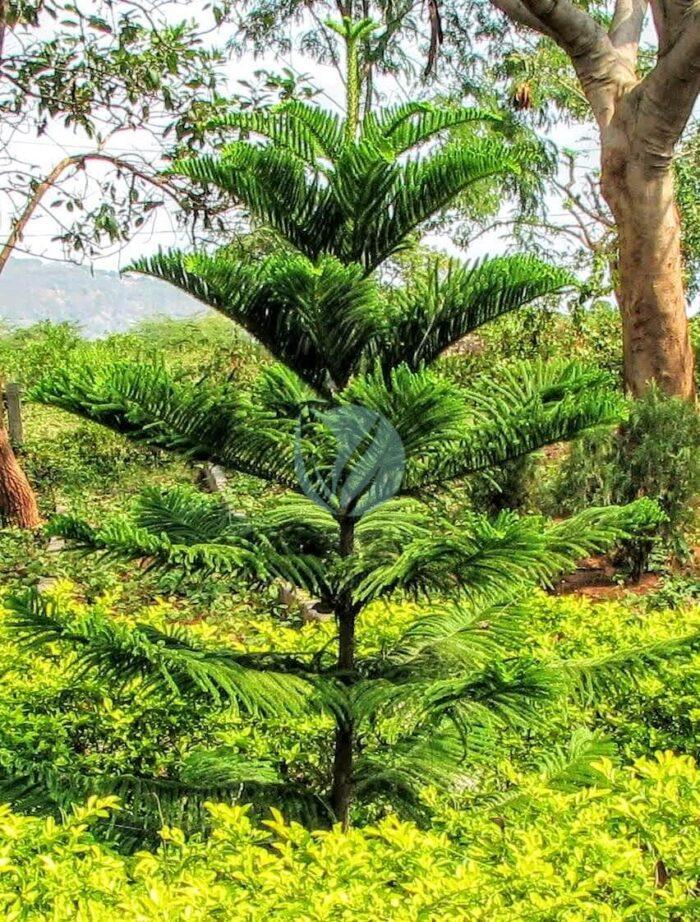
[{"x": 13, "y": 401}]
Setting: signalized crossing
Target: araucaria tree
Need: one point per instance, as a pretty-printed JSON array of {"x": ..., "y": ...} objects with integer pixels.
[{"x": 354, "y": 411}]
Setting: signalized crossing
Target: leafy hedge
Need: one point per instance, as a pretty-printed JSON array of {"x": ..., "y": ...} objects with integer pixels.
[{"x": 628, "y": 848}]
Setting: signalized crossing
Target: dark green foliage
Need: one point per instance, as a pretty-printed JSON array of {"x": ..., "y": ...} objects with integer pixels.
[
  {"x": 173, "y": 662},
  {"x": 447, "y": 431},
  {"x": 655, "y": 453}
]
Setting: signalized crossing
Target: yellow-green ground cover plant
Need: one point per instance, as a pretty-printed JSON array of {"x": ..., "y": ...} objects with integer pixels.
[
  {"x": 178, "y": 742},
  {"x": 628, "y": 848}
]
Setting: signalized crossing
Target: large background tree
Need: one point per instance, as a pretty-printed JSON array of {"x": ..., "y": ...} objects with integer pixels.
[
  {"x": 641, "y": 99},
  {"x": 641, "y": 119}
]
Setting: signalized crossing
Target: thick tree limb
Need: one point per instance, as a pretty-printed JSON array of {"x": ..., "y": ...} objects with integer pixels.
[
  {"x": 669, "y": 16},
  {"x": 626, "y": 28},
  {"x": 667, "y": 95},
  {"x": 518, "y": 13},
  {"x": 601, "y": 69},
  {"x": 572, "y": 28}
]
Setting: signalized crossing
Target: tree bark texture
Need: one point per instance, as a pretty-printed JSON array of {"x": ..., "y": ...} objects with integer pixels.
[
  {"x": 640, "y": 119},
  {"x": 18, "y": 504},
  {"x": 650, "y": 291}
]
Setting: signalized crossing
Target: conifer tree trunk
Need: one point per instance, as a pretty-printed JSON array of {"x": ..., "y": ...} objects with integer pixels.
[
  {"x": 341, "y": 794},
  {"x": 18, "y": 504}
]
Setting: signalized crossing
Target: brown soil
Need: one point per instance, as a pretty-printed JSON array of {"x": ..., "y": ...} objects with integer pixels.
[{"x": 595, "y": 579}]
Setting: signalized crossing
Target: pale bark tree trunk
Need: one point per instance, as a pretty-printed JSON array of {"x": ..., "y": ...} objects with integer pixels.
[
  {"x": 640, "y": 123},
  {"x": 17, "y": 501},
  {"x": 649, "y": 287}
]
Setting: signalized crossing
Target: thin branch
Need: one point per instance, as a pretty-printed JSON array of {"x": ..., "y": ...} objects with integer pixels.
[
  {"x": 76, "y": 161},
  {"x": 518, "y": 13},
  {"x": 597, "y": 213}
]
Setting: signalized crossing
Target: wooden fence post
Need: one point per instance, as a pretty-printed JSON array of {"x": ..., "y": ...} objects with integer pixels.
[{"x": 13, "y": 404}]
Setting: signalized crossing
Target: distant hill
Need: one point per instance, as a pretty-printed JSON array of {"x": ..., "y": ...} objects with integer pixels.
[{"x": 101, "y": 302}]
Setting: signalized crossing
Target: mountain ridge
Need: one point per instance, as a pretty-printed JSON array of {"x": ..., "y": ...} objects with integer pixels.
[{"x": 99, "y": 301}]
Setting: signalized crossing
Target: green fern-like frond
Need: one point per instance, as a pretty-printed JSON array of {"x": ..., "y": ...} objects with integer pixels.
[
  {"x": 403, "y": 769},
  {"x": 616, "y": 673},
  {"x": 573, "y": 765},
  {"x": 459, "y": 634},
  {"x": 439, "y": 309},
  {"x": 147, "y": 803},
  {"x": 165, "y": 662},
  {"x": 143, "y": 402},
  {"x": 215, "y": 423},
  {"x": 304, "y": 130},
  {"x": 597, "y": 529},
  {"x": 520, "y": 410},
  {"x": 407, "y": 125},
  {"x": 285, "y": 130},
  {"x": 404, "y": 197},
  {"x": 501, "y": 695},
  {"x": 565, "y": 767},
  {"x": 363, "y": 209},
  {"x": 315, "y": 317},
  {"x": 274, "y": 186},
  {"x": 487, "y": 559},
  {"x": 326, "y": 127},
  {"x": 182, "y": 531},
  {"x": 426, "y": 411}
]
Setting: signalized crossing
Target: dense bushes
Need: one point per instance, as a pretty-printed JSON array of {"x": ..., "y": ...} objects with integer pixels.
[
  {"x": 202, "y": 344},
  {"x": 655, "y": 453},
  {"x": 64, "y": 737},
  {"x": 628, "y": 847}
]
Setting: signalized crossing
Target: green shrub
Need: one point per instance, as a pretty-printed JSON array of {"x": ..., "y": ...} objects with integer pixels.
[
  {"x": 26, "y": 354},
  {"x": 206, "y": 344},
  {"x": 658, "y": 711},
  {"x": 656, "y": 453},
  {"x": 627, "y": 848},
  {"x": 591, "y": 334},
  {"x": 64, "y": 736},
  {"x": 504, "y": 487}
]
